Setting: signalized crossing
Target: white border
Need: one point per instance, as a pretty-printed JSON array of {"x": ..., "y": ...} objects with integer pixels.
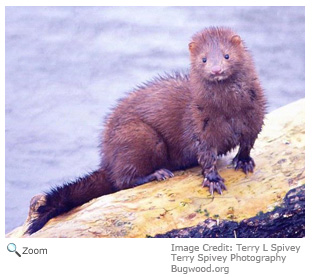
[{"x": 141, "y": 257}]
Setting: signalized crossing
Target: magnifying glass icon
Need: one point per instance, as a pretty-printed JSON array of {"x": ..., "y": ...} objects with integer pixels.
[{"x": 12, "y": 248}]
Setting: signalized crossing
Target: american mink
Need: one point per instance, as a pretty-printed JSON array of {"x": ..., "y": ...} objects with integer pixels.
[{"x": 175, "y": 122}]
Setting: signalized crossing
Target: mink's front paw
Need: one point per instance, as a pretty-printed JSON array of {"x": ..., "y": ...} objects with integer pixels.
[
  {"x": 214, "y": 182},
  {"x": 246, "y": 164}
]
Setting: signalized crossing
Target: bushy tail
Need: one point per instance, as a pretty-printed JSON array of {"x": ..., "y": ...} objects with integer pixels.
[{"x": 64, "y": 198}]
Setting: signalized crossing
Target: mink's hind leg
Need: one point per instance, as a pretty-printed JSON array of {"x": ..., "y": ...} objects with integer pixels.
[
  {"x": 243, "y": 160},
  {"x": 136, "y": 154}
]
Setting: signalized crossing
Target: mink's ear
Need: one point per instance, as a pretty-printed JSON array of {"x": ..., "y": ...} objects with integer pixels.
[
  {"x": 236, "y": 40},
  {"x": 192, "y": 46}
]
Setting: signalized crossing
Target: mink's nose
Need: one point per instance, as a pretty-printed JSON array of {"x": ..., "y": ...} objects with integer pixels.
[{"x": 216, "y": 69}]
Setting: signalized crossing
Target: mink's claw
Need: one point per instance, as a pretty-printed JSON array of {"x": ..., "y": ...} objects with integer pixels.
[
  {"x": 247, "y": 165},
  {"x": 214, "y": 182},
  {"x": 163, "y": 174}
]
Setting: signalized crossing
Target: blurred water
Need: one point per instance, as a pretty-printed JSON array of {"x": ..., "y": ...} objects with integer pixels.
[{"x": 67, "y": 66}]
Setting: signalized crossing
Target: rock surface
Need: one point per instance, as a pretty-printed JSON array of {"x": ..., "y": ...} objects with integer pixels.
[
  {"x": 180, "y": 202},
  {"x": 285, "y": 221}
]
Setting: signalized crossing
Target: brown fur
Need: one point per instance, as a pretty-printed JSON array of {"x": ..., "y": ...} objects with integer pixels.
[{"x": 179, "y": 121}]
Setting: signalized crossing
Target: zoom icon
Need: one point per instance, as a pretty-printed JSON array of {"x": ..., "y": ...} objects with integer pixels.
[{"x": 12, "y": 248}]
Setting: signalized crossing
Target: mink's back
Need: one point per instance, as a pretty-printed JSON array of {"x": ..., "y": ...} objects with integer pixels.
[{"x": 162, "y": 104}]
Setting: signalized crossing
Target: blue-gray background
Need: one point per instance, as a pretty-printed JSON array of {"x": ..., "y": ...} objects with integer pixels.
[{"x": 67, "y": 66}]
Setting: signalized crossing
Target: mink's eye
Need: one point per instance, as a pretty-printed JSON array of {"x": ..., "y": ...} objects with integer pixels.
[
  {"x": 204, "y": 60},
  {"x": 226, "y": 56}
]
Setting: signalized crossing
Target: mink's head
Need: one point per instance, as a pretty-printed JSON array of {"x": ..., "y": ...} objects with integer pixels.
[{"x": 216, "y": 54}]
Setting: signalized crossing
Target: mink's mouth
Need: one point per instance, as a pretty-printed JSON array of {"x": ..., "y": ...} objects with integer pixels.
[{"x": 217, "y": 77}]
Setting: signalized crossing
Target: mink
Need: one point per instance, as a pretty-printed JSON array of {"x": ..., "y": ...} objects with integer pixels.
[{"x": 175, "y": 122}]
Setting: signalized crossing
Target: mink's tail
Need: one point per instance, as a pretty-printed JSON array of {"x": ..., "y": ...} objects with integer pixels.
[{"x": 64, "y": 198}]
